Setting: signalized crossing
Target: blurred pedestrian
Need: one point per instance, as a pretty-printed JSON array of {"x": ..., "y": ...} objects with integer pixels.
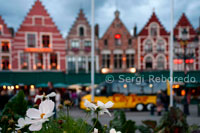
[
  {"x": 74, "y": 98},
  {"x": 50, "y": 90},
  {"x": 58, "y": 98},
  {"x": 186, "y": 102},
  {"x": 165, "y": 100},
  {"x": 159, "y": 105}
]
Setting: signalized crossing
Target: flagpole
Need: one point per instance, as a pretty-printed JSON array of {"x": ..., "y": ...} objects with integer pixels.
[
  {"x": 171, "y": 52},
  {"x": 92, "y": 50}
]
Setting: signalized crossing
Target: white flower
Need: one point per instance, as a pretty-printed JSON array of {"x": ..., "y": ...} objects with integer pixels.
[
  {"x": 90, "y": 105},
  {"x": 41, "y": 97},
  {"x": 22, "y": 123},
  {"x": 114, "y": 131},
  {"x": 95, "y": 130},
  {"x": 104, "y": 107},
  {"x": 39, "y": 116}
]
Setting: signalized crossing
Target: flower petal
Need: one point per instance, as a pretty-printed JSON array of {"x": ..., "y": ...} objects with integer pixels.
[
  {"x": 38, "y": 97},
  {"x": 99, "y": 103},
  {"x": 90, "y": 105},
  {"x": 21, "y": 122},
  {"x": 48, "y": 115},
  {"x": 109, "y": 104},
  {"x": 33, "y": 113},
  {"x": 35, "y": 127},
  {"x": 46, "y": 106},
  {"x": 52, "y": 94}
]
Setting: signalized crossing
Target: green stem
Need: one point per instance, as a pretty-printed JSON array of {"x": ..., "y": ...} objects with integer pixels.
[
  {"x": 87, "y": 116},
  {"x": 67, "y": 111},
  {"x": 94, "y": 123}
]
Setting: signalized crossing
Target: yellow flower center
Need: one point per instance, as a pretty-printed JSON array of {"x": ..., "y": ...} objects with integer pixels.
[{"x": 42, "y": 115}]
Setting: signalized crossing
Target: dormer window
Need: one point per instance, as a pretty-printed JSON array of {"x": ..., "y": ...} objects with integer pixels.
[
  {"x": 38, "y": 20},
  {"x": 154, "y": 29},
  {"x": 81, "y": 31},
  {"x": 184, "y": 33},
  {"x": 1, "y": 29},
  {"x": 31, "y": 40},
  {"x": 5, "y": 46},
  {"x": 105, "y": 42},
  {"x": 129, "y": 41},
  {"x": 46, "y": 41}
]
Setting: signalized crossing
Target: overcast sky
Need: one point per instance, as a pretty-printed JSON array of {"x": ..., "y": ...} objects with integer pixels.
[{"x": 132, "y": 12}]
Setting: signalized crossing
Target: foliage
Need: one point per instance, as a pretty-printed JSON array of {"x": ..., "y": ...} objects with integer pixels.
[
  {"x": 121, "y": 124},
  {"x": 171, "y": 122},
  {"x": 13, "y": 110}
]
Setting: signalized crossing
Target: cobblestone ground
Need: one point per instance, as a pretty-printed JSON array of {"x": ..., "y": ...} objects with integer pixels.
[{"x": 136, "y": 116}]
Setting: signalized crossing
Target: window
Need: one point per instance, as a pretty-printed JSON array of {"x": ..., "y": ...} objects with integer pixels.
[
  {"x": 129, "y": 60},
  {"x": 24, "y": 61},
  {"x": 39, "y": 61},
  {"x": 87, "y": 43},
  {"x": 117, "y": 61},
  {"x": 1, "y": 29},
  {"x": 38, "y": 20},
  {"x": 5, "y": 46},
  {"x": 71, "y": 64},
  {"x": 53, "y": 61},
  {"x": 5, "y": 64},
  {"x": 31, "y": 40},
  {"x": 75, "y": 44},
  {"x": 106, "y": 61},
  {"x": 81, "y": 31},
  {"x": 160, "y": 63},
  {"x": 105, "y": 42},
  {"x": 154, "y": 30},
  {"x": 149, "y": 63},
  {"x": 129, "y": 41},
  {"x": 160, "y": 46},
  {"x": 148, "y": 46},
  {"x": 184, "y": 33},
  {"x": 46, "y": 41},
  {"x": 81, "y": 64}
]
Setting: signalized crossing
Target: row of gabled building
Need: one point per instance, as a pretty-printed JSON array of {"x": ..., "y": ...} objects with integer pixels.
[{"x": 39, "y": 46}]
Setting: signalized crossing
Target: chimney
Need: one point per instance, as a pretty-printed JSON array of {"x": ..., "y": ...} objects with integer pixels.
[
  {"x": 97, "y": 30},
  {"x": 12, "y": 31},
  {"x": 135, "y": 31}
]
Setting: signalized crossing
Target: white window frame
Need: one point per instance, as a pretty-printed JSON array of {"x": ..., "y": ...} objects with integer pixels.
[
  {"x": 37, "y": 16},
  {"x": 158, "y": 29},
  {"x": 50, "y": 37},
  {"x": 26, "y": 39}
]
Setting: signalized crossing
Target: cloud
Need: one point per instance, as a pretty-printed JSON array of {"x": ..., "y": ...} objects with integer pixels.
[{"x": 64, "y": 12}]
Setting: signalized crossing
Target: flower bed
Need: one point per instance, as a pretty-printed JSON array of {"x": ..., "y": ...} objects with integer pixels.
[{"x": 17, "y": 117}]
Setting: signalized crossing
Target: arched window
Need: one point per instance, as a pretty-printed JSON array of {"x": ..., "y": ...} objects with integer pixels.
[
  {"x": 81, "y": 31},
  {"x": 148, "y": 46},
  {"x": 154, "y": 29},
  {"x": 149, "y": 63},
  {"x": 160, "y": 63},
  {"x": 160, "y": 45}
]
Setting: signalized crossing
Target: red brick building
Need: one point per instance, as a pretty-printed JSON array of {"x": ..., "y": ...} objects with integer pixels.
[
  {"x": 117, "y": 47},
  {"x": 186, "y": 42},
  {"x": 38, "y": 44},
  {"x": 79, "y": 46},
  {"x": 153, "y": 46},
  {"x": 5, "y": 48}
]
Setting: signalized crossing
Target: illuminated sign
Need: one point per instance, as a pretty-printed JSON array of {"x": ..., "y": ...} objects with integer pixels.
[
  {"x": 38, "y": 50},
  {"x": 117, "y": 36}
]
